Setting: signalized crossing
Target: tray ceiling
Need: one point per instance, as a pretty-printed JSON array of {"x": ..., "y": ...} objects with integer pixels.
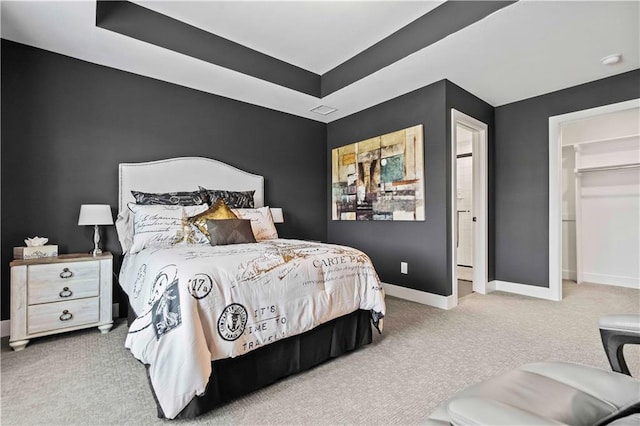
[{"x": 521, "y": 50}]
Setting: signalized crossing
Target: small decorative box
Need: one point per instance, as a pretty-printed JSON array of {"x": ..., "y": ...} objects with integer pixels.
[{"x": 35, "y": 252}]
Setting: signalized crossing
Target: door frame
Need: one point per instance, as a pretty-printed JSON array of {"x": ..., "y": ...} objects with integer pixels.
[
  {"x": 480, "y": 204},
  {"x": 555, "y": 186}
]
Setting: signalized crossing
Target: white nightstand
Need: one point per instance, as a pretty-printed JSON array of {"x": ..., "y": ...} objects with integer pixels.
[{"x": 57, "y": 294}]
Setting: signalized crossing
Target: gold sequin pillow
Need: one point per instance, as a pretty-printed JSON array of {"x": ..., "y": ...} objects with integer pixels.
[{"x": 217, "y": 211}]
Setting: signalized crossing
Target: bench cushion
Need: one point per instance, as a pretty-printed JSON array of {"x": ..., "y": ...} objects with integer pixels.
[{"x": 553, "y": 391}]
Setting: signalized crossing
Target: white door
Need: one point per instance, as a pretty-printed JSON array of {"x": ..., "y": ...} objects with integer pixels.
[{"x": 464, "y": 207}]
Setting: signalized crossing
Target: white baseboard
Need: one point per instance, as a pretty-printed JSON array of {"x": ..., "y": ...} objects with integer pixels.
[
  {"x": 436, "y": 300},
  {"x": 569, "y": 275},
  {"x": 523, "y": 289},
  {"x": 5, "y": 326},
  {"x": 615, "y": 280}
]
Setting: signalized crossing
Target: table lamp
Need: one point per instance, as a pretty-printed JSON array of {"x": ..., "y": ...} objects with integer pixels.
[{"x": 95, "y": 214}]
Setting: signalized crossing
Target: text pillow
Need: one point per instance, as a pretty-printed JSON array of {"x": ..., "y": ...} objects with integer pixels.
[
  {"x": 193, "y": 198},
  {"x": 261, "y": 222},
  {"x": 234, "y": 199},
  {"x": 158, "y": 225}
]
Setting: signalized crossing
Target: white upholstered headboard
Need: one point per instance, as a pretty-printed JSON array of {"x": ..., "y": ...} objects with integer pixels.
[{"x": 185, "y": 174}]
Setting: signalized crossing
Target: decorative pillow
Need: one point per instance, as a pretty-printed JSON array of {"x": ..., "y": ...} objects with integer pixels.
[
  {"x": 195, "y": 235},
  {"x": 233, "y": 199},
  {"x": 124, "y": 228},
  {"x": 218, "y": 210},
  {"x": 230, "y": 231},
  {"x": 261, "y": 222},
  {"x": 159, "y": 225},
  {"x": 193, "y": 198}
]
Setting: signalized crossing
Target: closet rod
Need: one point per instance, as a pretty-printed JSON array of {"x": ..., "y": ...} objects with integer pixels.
[{"x": 598, "y": 169}]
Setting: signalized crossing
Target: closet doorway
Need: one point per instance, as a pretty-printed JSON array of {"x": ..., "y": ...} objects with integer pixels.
[
  {"x": 594, "y": 197},
  {"x": 601, "y": 199},
  {"x": 469, "y": 205}
]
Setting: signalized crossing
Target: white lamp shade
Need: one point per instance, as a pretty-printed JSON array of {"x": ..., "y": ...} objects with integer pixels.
[
  {"x": 277, "y": 215},
  {"x": 95, "y": 214}
]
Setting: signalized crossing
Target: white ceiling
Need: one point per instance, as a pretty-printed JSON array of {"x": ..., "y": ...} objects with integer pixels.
[
  {"x": 316, "y": 36},
  {"x": 524, "y": 50}
]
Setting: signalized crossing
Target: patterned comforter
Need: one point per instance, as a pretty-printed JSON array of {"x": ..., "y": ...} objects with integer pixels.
[{"x": 198, "y": 303}]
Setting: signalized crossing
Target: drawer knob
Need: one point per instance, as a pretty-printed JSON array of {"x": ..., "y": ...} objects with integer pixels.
[
  {"x": 66, "y": 273},
  {"x": 66, "y": 315},
  {"x": 65, "y": 292}
]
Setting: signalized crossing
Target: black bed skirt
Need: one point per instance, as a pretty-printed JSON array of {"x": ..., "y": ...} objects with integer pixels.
[{"x": 232, "y": 378}]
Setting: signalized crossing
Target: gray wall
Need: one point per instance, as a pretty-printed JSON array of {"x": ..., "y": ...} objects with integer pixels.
[
  {"x": 422, "y": 244},
  {"x": 66, "y": 124},
  {"x": 521, "y": 173}
]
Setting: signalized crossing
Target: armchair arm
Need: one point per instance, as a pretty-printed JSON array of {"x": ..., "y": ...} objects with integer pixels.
[{"x": 617, "y": 331}]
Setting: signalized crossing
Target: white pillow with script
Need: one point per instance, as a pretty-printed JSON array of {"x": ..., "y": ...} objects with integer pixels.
[
  {"x": 261, "y": 222},
  {"x": 157, "y": 226}
]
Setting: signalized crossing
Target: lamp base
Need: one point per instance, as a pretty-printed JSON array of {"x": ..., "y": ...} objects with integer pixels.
[{"x": 96, "y": 240}]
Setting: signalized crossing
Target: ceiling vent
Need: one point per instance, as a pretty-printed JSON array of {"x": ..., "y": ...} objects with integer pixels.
[{"x": 324, "y": 110}]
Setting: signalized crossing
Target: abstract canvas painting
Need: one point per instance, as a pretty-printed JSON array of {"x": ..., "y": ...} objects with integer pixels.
[{"x": 381, "y": 178}]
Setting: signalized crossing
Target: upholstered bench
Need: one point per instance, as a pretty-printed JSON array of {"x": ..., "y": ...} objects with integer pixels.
[{"x": 554, "y": 392}]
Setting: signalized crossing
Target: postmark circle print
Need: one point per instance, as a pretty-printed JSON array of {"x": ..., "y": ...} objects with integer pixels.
[
  {"x": 200, "y": 285},
  {"x": 232, "y": 322}
]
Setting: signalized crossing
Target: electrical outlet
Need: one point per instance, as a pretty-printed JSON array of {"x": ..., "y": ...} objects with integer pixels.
[{"x": 404, "y": 268}]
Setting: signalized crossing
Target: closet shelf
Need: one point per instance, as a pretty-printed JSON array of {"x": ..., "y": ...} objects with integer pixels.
[
  {"x": 603, "y": 168},
  {"x": 578, "y": 145}
]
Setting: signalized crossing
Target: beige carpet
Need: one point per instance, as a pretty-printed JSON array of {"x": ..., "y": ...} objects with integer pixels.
[{"x": 424, "y": 356}]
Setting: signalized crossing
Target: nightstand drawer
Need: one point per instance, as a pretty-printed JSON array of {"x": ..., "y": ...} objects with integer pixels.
[
  {"x": 63, "y": 272},
  {"x": 42, "y": 292},
  {"x": 53, "y": 316}
]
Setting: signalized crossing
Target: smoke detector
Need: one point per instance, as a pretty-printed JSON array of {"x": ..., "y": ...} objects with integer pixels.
[{"x": 611, "y": 59}]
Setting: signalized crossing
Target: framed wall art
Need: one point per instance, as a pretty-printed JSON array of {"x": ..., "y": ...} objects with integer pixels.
[{"x": 381, "y": 178}]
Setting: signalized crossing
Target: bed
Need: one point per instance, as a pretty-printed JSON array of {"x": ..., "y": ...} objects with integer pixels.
[{"x": 213, "y": 323}]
